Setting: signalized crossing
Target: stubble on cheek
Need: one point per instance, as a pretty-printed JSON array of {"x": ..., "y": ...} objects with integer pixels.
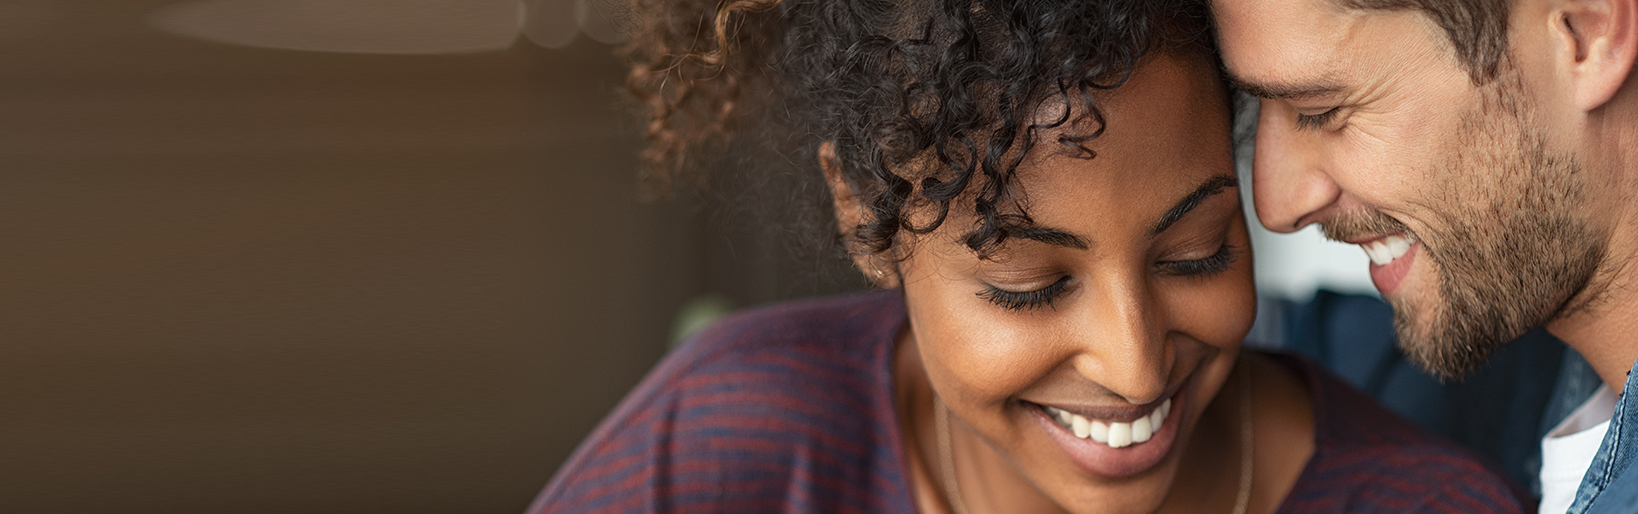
[{"x": 1511, "y": 249}]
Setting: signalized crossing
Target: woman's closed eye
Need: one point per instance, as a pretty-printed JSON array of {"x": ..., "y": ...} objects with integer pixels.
[
  {"x": 1025, "y": 300},
  {"x": 1030, "y": 300},
  {"x": 1218, "y": 262}
]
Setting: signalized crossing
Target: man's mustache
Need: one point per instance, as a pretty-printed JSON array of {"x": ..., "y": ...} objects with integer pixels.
[{"x": 1358, "y": 225}]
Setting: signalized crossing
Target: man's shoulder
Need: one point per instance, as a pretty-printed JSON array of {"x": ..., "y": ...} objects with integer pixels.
[
  {"x": 1619, "y": 497},
  {"x": 1616, "y": 466}
]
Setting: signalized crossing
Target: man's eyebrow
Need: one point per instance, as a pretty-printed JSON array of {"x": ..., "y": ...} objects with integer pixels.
[
  {"x": 1050, "y": 236},
  {"x": 1278, "y": 91},
  {"x": 1211, "y": 187}
]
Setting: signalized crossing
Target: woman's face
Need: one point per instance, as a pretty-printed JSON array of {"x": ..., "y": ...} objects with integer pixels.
[{"x": 1125, "y": 306}]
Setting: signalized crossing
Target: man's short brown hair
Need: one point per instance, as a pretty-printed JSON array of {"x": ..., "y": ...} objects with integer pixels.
[{"x": 1476, "y": 28}]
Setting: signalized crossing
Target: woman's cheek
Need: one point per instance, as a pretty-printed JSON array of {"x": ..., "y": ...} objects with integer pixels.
[
  {"x": 1004, "y": 355},
  {"x": 980, "y": 351},
  {"x": 1216, "y": 310}
]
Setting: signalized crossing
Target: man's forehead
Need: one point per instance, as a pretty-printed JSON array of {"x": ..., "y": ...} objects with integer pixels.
[{"x": 1284, "y": 44}]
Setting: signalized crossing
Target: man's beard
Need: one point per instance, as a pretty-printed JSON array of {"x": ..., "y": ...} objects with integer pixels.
[{"x": 1508, "y": 249}]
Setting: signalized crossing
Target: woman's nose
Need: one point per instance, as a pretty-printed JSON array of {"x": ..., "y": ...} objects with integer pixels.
[{"x": 1123, "y": 344}]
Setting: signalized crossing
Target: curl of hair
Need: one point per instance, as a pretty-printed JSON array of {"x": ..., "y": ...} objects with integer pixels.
[{"x": 927, "y": 102}]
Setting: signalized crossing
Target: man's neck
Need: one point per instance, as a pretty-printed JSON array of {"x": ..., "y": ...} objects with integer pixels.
[
  {"x": 1608, "y": 341},
  {"x": 1604, "y": 324}
]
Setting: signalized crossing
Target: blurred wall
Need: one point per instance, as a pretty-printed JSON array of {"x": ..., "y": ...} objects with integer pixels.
[{"x": 250, "y": 280}]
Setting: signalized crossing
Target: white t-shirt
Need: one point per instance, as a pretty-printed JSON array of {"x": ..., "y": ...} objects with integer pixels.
[{"x": 1569, "y": 449}]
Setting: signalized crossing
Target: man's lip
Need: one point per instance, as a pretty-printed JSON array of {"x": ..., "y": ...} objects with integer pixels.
[
  {"x": 1370, "y": 239},
  {"x": 1115, "y": 413},
  {"x": 1387, "y": 279}
]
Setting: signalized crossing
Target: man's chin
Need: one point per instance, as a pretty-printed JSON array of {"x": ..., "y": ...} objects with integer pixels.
[
  {"x": 1412, "y": 326},
  {"x": 1443, "y": 339}
]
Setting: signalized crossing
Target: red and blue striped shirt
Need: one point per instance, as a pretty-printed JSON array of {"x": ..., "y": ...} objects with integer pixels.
[{"x": 790, "y": 409}]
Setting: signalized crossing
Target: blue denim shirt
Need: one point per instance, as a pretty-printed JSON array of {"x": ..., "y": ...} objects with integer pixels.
[{"x": 1611, "y": 484}]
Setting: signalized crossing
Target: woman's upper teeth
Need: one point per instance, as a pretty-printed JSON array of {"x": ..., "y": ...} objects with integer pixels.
[
  {"x": 1384, "y": 251},
  {"x": 1114, "y": 434}
]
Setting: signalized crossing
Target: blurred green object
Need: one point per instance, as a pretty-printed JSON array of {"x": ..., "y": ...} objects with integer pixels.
[{"x": 697, "y": 314}]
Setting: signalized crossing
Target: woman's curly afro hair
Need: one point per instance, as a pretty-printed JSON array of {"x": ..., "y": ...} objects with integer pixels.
[{"x": 927, "y": 102}]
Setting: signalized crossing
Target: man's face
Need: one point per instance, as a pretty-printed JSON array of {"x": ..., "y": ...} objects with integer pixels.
[{"x": 1475, "y": 223}]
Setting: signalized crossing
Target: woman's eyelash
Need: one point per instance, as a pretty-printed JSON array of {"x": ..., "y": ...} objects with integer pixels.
[
  {"x": 1217, "y": 263},
  {"x": 1025, "y": 300},
  {"x": 1316, "y": 121}
]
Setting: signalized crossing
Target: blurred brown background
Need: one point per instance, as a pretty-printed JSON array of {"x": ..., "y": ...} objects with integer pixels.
[{"x": 241, "y": 279}]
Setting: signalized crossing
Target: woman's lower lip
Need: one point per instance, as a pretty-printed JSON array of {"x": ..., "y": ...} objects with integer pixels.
[{"x": 1100, "y": 459}]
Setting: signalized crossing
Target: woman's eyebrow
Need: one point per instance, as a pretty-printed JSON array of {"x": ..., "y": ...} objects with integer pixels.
[
  {"x": 1050, "y": 236},
  {"x": 1057, "y": 237},
  {"x": 1211, "y": 187}
]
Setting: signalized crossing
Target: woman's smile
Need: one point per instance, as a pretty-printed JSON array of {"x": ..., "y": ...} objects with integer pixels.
[
  {"x": 1112, "y": 442},
  {"x": 1103, "y": 434}
]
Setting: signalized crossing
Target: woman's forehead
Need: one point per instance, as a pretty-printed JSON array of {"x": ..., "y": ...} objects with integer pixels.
[{"x": 1167, "y": 133}]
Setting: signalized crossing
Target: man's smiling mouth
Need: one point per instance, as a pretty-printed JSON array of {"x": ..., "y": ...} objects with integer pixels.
[
  {"x": 1116, "y": 434},
  {"x": 1383, "y": 251}
]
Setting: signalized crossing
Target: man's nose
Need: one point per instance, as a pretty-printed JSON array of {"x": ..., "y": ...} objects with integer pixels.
[
  {"x": 1124, "y": 347},
  {"x": 1289, "y": 182}
]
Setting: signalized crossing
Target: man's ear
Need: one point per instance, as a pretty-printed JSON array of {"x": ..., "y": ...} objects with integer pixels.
[
  {"x": 849, "y": 214},
  {"x": 1603, "y": 35}
]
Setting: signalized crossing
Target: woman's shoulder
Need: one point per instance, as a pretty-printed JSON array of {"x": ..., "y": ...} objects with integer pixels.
[
  {"x": 843, "y": 328},
  {"x": 787, "y": 399},
  {"x": 815, "y": 362},
  {"x": 1368, "y": 459},
  {"x": 813, "y": 350}
]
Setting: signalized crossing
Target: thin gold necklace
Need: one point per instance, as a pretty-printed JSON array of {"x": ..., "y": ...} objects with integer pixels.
[
  {"x": 946, "y": 462},
  {"x": 952, "y": 487}
]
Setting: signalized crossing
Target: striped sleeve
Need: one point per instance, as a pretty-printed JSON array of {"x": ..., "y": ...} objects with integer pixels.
[
  {"x": 1368, "y": 460},
  {"x": 771, "y": 412}
]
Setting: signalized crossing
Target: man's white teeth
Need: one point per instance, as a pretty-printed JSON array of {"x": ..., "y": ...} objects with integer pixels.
[
  {"x": 1116, "y": 435},
  {"x": 1383, "y": 251}
]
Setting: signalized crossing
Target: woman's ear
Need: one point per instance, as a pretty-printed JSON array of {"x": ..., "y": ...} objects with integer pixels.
[
  {"x": 1605, "y": 38},
  {"x": 849, "y": 214},
  {"x": 848, "y": 211}
]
